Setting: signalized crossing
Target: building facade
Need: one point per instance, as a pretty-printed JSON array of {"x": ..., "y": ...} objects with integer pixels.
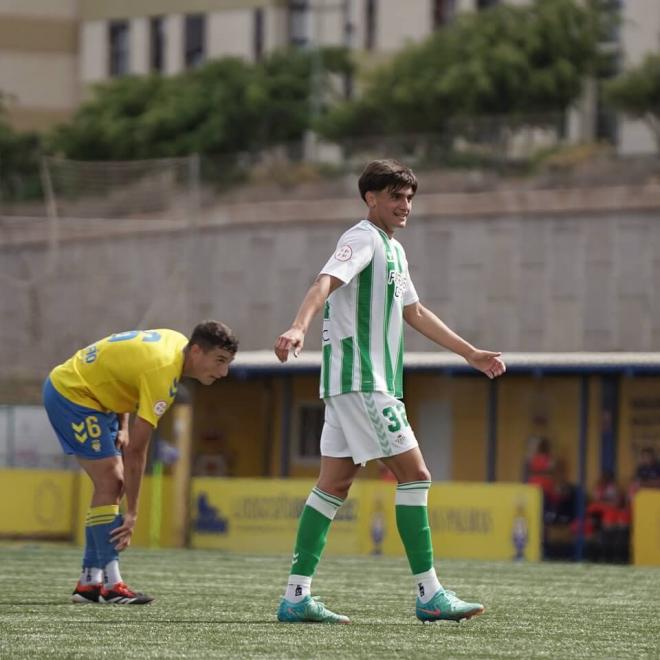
[
  {"x": 51, "y": 53},
  {"x": 39, "y": 58}
]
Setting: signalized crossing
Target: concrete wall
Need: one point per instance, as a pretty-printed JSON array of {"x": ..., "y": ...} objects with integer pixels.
[{"x": 561, "y": 271}]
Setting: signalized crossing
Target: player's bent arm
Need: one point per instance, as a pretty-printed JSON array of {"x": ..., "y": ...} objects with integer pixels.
[
  {"x": 122, "y": 433},
  {"x": 294, "y": 337},
  {"x": 314, "y": 300},
  {"x": 135, "y": 460},
  {"x": 428, "y": 324}
]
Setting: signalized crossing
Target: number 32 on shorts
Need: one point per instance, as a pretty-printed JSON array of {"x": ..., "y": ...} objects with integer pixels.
[{"x": 396, "y": 416}]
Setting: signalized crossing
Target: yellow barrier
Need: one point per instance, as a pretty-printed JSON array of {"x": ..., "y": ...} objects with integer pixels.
[
  {"x": 646, "y": 528},
  {"x": 37, "y": 503},
  {"x": 260, "y": 515},
  {"x": 485, "y": 521}
]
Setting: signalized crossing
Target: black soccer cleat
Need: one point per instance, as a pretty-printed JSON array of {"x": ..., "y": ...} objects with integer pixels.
[
  {"x": 86, "y": 593},
  {"x": 121, "y": 594}
]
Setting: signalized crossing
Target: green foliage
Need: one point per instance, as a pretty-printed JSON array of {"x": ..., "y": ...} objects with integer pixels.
[
  {"x": 228, "y": 105},
  {"x": 637, "y": 93},
  {"x": 19, "y": 162},
  {"x": 511, "y": 60}
]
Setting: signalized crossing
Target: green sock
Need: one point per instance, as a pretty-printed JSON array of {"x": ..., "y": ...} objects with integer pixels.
[
  {"x": 412, "y": 521},
  {"x": 313, "y": 526}
]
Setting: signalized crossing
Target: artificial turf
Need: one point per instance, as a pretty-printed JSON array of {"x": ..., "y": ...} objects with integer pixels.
[{"x": 216, "y": 605}]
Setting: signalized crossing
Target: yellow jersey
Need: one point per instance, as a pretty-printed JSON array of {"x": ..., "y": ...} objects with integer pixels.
[{"x": 129, "y": 372}]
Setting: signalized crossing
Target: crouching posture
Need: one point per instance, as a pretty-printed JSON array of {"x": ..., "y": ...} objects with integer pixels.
[{"x": 88, "y": 399}]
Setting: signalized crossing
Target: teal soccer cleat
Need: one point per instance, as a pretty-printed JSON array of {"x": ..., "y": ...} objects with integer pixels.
[
  {"x": 308, "y": 610},
  {"x": 446, "y": 606}
]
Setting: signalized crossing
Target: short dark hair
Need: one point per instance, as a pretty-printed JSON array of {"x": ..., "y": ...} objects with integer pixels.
[
  {"x": 386, "y": 175},
  {"x": 213, "y": 334}
]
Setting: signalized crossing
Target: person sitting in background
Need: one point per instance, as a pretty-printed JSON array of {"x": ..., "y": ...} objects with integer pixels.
[
  {"x": 540, "y": 469},
  {"x": 560, "y": 509},
  {"x": 607, "y": 521},
  {"x": 559, "y": 515},
  {"x": 647, "y": 474},
  {"x": 603, "y": 502}
]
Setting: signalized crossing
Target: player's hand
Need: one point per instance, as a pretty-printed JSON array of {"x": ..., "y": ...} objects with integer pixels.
[
  {"x": 121, "y": 441},
  {"x": 121, "y": 536},
  {"x": 488, "y": 362},
  {"x": 292, "y": 340}
]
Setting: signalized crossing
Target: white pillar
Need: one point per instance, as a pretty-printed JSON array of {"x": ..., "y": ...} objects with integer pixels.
[
  {"x": 139, "y": 46},
  {"x": 93, "y": 51},
  {"x": 174, "y": 44},
  {"x": 465, "y": 5}
]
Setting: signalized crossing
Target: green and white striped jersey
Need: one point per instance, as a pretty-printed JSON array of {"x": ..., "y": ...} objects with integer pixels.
[{"x": 363, "y": 319}]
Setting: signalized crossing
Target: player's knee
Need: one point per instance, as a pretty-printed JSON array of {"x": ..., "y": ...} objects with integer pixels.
[
  {"x": 423, "y": 474},
  {"x": 338, "y": 487}
]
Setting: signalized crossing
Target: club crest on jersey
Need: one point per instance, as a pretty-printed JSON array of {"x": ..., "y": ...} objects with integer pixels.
[
  {"x": 344, "y": 253},
  {"x": 160, "y": 407},
  {"x": 400, "y": 282}
]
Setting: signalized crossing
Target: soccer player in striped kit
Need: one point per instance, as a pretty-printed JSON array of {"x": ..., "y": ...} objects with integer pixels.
[{"x": 366, "y": 294}]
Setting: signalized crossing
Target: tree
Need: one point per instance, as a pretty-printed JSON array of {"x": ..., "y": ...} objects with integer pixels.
[
  {"x": 226, "y": 106},
  {"x": 19, "y": 162},
  {"x": 511, "y": 60},
  {"x": 636, "y": 92}
]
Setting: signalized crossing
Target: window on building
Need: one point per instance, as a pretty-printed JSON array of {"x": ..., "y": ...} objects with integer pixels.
[
  {"x": 299, "y": 17},
  {"x": 118, "y": 39},
  {"x": 310, "y": 424},
  {"x": 443, "y": 12},
  {"x": 486, "y": 4},
  {"x": 371, "y": 10},
  {"x": 157, "y": 44},
  {"x": 195, "y": 40},
  {"x": 259, "y": 25}
]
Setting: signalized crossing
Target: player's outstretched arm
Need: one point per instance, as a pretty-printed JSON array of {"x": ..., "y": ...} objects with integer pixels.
[
  {"x": 428, "y": 324},
  {"x": 135, "y": 460},
  {"x": 294, "y": 338}
]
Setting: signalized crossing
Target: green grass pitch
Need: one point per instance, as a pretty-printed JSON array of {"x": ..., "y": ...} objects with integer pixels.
[{"x": 215, "y": 605}]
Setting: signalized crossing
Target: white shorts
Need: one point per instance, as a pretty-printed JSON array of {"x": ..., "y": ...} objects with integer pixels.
[{"x": 365, "y": 426}]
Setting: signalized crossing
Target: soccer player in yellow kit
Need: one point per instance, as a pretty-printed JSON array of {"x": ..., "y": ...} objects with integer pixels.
[{"x": 89, "y": 399}]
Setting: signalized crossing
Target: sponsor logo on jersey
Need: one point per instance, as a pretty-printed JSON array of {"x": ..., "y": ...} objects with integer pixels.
[
  {"x": 400, "y": 282},
  {"x": 160, "y": 407},
  {"x": 344, "y": 253}
]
